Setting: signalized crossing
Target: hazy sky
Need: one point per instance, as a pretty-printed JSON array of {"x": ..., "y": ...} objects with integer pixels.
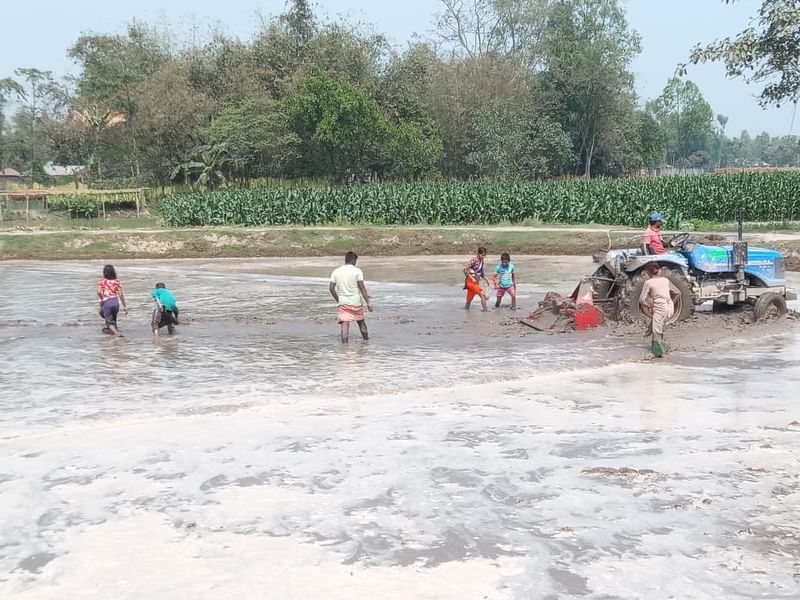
[{"x": 37, "y": 33}]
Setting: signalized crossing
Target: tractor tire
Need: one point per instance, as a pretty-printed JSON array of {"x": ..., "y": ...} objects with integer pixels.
[
  {"x": 684, "y": 305},
  {"x": 769, "y": 305}
]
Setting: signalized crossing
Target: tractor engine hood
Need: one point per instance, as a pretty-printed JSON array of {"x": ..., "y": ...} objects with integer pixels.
[{"x": 763, "y": 263}]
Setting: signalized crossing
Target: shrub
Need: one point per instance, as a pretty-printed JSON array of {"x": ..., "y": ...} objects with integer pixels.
[{"x": 79, "y": 206}]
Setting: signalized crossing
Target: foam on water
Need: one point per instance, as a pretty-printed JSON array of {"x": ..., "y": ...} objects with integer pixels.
[{"x": 252, "y": 459}]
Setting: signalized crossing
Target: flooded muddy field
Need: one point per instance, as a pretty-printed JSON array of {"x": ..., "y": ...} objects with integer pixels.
[{"x": 455, "y": 455}]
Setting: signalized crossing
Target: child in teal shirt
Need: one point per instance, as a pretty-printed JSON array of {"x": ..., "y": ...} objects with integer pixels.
[
  {"x": 166, "y": 311},
  {"x": 505, "y": 281}
]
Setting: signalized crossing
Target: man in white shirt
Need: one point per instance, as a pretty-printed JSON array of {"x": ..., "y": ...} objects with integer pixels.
[{"x": 348, "y": 289}]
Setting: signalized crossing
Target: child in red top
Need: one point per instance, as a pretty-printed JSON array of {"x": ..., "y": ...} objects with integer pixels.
[{"x": 110, "y": 293}]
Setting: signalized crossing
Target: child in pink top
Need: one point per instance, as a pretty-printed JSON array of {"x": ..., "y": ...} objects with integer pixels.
[{"x": 110, "y": 293}]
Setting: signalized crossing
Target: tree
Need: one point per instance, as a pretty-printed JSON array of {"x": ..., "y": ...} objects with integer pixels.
[
  {"x": 764, "y": 53},
  {"x": 588, "y": 48},
  {"x": 301, "y": 24},
  {"x": 172, "y": 121},
  {"x": 457, "y": 89},
  {"x": 685, "y": 117},
  {"x": 97, "y": 121},
  {"x": 39, "y": 85},
  {"x": 342, "y": 131},
  {"x": 415, "y": 147},
  {"x": 206, "y": 167},
  {"x": 257, "y": 136},
  {"x": 722, "y": 120},
  {"x": 8, "y": 87},
  {"x": 413, "y": 150},
  {"x": 512, "y": 142},
  {"x": 652, "y": 144},
  {"x": 478, "y": 28},
  {"x": 113, "y": 68},
  {"x": 761, "y": 149}
]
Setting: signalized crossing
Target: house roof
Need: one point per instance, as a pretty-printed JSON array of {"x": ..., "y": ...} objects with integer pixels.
[
  {"x": 62, "y": 170},
  {"x": 9, "y": 172}
]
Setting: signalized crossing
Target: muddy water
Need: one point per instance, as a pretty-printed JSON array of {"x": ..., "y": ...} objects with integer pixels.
[{"x": 454, "y": 456}]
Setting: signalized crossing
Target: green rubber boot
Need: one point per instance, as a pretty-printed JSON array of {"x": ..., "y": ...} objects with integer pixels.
[{"x": 657, "y": 349}]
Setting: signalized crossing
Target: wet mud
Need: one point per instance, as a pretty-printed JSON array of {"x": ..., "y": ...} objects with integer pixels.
[{"x": 456, "y": 455}]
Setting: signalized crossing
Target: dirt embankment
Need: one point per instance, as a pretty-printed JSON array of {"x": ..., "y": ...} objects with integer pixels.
[
  {"x": 228, "y": 242},
  {"x": 232, "y": 243}
]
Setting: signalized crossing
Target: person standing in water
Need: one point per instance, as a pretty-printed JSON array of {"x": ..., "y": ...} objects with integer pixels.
[
  {"x": 657, "y": 298},
  {"x": 473, "y": 273},
  {"x": 110, "y": 293},
  {"x": 505, "y": 280},
  {"x": 348, "y": 289}
]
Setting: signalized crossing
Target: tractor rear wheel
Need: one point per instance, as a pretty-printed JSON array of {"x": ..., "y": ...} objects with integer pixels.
[
  {"x": 684, "y": 303},
  {"x": 769, "y": 305}
]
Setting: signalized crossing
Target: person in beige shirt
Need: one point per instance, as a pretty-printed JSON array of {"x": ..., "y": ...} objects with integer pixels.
[
  {"x": 348, "y": 289},
  {"x": 657, "y": 299}
]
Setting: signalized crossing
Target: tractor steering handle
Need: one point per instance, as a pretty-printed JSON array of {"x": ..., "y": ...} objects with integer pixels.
[{"x": 679, "y": 240}]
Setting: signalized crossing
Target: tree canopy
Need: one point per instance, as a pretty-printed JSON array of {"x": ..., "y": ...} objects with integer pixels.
[
  {"x": 508, "y": 89},
  {"x": 766, "y": 52}
]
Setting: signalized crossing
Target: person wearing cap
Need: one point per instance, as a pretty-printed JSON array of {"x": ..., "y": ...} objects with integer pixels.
[{"x": 653, "y": 242}]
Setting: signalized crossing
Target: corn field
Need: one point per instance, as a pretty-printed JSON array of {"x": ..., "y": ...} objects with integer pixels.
[{"x": 762, "y": 197}]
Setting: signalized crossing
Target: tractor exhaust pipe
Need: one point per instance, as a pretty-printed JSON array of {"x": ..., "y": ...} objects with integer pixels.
[
  {"x": 740, "y": 248},
  {"x": 739, "y": 221}
]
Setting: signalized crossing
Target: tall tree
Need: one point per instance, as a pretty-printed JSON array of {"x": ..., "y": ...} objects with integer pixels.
[
  {"x": 8, "y": 88},
  {"x": 475, "y": 28},
  {"x": 173, "y": 117},
  {"x": 513, "y": 142},
  {"x": 113, "y": 67},
  {"x": 300, "y": 22},
  {"x": 722, "y": 121},
  {"x": 652, "y": 144},
  {"x": 588, "y": 48},
  {"x": 97, "y": 121},
  {"x": 257, "y": 136},
  {"x": 38, "y": 85},
  {"x": 685, "y": 117},
  {"x": 342, "y": 130}
]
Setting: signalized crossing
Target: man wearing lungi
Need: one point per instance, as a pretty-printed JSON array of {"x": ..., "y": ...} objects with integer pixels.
[
  {"x": 656, "y": 300},
  {"x": 348, "y": 289}
]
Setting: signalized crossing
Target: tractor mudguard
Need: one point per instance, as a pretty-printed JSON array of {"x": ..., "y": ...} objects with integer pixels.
[{"x": 676, "y": 261}]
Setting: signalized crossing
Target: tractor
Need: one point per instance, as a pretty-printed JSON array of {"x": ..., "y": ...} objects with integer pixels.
[{"x": 728, "y": 276}]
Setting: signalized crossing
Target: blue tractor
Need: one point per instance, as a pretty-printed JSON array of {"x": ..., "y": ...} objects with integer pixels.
[{"x": 728, "y": 276}]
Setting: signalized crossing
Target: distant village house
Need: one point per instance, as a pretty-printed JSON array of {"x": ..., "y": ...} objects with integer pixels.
[
  {"x": 53, "y": 170},
  {"x": 8, "y": 177}
]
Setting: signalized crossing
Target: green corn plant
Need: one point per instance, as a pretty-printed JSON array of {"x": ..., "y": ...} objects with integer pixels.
[{"x": 714, "y": 198}]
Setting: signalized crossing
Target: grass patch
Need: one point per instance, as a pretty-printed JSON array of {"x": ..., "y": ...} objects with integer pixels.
[
  {"x": 375, "y": 241},
  {"x": 751, "y": 227},
  {"x": 61, "y": 223}
]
